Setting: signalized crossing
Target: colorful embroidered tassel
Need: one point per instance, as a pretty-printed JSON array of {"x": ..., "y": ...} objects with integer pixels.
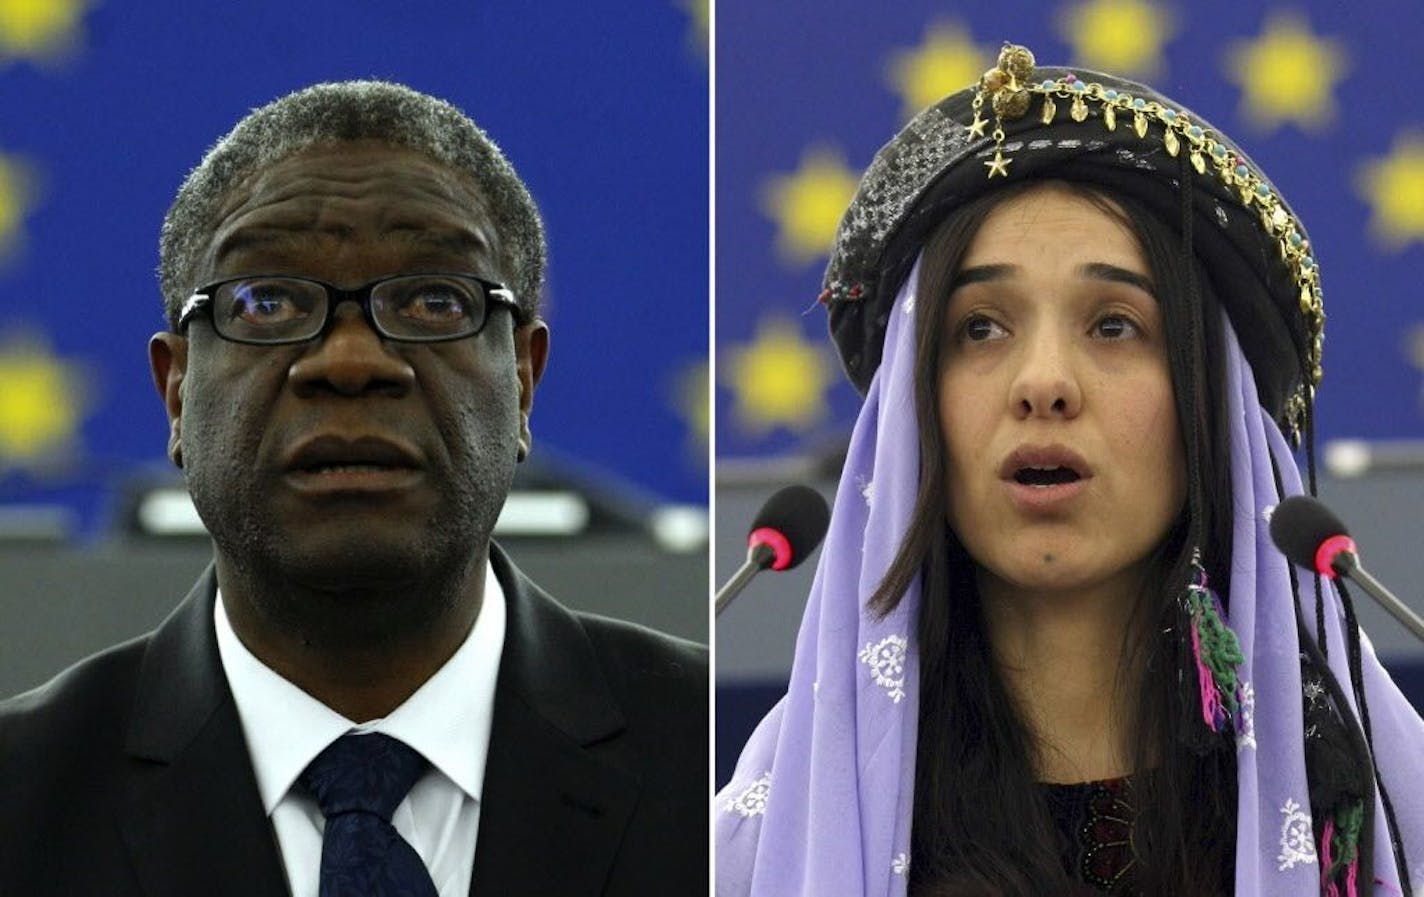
[
  {"x": 1217, "y": 653},
  {"x": 1327, "y": 859},
  {"x": 1340, "y": 849},
  {"x": 1212, "y": 711}
]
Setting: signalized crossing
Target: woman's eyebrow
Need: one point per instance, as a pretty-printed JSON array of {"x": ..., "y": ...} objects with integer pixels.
[
  {"x": 1090, "y": 270},
  {"x": 982, "y": 273},
  {"x": 1104, "y": 271}
]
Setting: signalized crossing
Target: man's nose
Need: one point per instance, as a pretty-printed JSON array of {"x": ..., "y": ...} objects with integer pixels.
[
  {"x": 352, "y": 359},
  {"x": 1046, "y": 384}
]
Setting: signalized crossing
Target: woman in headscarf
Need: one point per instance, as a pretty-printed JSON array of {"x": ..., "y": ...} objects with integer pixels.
[{"x": 1050, "y": 648}]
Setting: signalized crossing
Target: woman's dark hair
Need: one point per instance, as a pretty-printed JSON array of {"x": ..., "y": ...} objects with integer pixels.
[{"x": 981, "y": 822}]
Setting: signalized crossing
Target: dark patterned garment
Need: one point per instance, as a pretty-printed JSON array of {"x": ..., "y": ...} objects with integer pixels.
[
  {"x": 1094, "y": 819},
  {"x": 1094, "y": 822}
]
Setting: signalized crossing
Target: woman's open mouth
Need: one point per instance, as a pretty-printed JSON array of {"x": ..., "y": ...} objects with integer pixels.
[{"x": 1044, "y": 477}]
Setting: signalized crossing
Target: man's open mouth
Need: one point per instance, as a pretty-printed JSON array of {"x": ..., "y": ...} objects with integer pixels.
[
  {"x": 332, "y": 464},
  {"x": 365, "y": 454}
]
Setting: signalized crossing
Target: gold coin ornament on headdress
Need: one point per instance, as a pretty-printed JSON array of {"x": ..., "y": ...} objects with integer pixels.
[
  {"x": 1009, "y": 89},
  {"x": 1006, "y": 86}
]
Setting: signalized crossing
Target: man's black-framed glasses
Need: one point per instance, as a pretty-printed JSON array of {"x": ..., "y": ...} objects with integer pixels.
[{"x": 277, "y": 309}]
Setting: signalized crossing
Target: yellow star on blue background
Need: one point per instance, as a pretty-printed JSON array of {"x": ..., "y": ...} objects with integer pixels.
[
  {"x": 42, "y": 405},
  {"x": 1288, "y": 74},
  {"x": 1394, "y": 187},
  {"x": 947, "y": 60},
  {"x": 779, "y": 379},
  {"x": 1124, "y": 37},
  {"x": 44, "y": 30},
  {"x": 807, "y": 205}
]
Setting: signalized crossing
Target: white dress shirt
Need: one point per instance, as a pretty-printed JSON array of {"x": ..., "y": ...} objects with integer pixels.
[{"x": 447, "y": 720}]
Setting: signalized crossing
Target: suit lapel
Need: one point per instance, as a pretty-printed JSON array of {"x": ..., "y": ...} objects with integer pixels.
[
  {"x": 195, "y": 823},
  {"x": 552, "y": 813}
]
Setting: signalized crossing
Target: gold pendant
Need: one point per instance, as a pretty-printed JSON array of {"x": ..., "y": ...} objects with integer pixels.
[
  {"x": 977, "y": 128},
  {"x": 1139, "y": 124},
  {"x": 998, "y": 165},
  {"x": 1198, "y": 162},
  {"x": 1080, "y": 108},
  {"x": 1174, "y": 145},
  {"x": 1110, "y": 117},
  {"x": 1050, "y": 109}
]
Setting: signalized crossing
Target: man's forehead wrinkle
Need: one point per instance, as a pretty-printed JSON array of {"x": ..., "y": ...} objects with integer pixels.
[
  {"x": 456, "y": 230},
  {"x": 293, "y": 232},
  {"x": 327, "y": 198},
  {"x": 338, "y": 173},
  {"x": 454, "y": 235},
  {"x": 277, "y": 239}
]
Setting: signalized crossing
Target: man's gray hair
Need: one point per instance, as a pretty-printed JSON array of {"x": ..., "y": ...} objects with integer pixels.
[{"x": 352, "y": 110}]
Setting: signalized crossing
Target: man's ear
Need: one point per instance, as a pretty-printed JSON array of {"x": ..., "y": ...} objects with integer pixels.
[
  {"x": 168, "y": 358},
  {"x": 531, "y": 351}
]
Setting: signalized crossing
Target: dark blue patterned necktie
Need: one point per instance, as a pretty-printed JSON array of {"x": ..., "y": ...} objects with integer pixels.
[{"x": 358, "y": 782}]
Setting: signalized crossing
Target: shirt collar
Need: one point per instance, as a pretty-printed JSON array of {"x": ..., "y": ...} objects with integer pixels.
[{"x": 447, "y": 719}]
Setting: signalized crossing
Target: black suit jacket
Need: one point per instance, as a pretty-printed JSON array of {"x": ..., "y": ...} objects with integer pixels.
[{"x": 128, "y": 774}]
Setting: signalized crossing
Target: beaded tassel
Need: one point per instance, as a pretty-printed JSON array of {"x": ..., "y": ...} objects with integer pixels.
[{"x": 1217, "y": 653}]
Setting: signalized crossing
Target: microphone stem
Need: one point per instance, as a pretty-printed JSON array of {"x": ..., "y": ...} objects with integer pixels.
[
  {"x": 1349, "y": 565},
  {"x": 759, "y": 557}
]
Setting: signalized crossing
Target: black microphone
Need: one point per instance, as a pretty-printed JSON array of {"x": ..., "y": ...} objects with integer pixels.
[
  {"x": 786, "y": 530},
  {"x": 1311, "y": 536}
]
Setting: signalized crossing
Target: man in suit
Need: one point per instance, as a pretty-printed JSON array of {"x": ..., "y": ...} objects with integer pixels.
[{"x": 363, "y": 695}]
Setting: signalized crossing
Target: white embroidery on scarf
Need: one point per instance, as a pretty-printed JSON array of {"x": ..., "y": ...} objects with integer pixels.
[
  {"x": 866, "y": 486},
  {"x": 752, "y": 801},
  {"x": 1297, "y": 838},
  {"x": 1246, "y": 733},
  {"x": 886, "y": 659},
  {"x": 900, "y": 865}
]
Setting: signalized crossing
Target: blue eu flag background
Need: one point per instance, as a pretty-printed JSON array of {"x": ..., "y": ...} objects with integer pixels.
[
  {"x": 1325, "y": 96},
  {"x": 106, "y": 104}
]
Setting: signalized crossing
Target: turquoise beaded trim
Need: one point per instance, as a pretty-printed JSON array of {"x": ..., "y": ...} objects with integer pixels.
[{"x": 1010, "y": 89}]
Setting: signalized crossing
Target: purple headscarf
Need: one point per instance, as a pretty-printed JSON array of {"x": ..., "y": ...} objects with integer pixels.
[{"x": 823, "y": 794}]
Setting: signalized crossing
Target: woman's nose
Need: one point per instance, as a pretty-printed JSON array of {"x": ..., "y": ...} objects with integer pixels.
[{"x": 1046, "y": 384}]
